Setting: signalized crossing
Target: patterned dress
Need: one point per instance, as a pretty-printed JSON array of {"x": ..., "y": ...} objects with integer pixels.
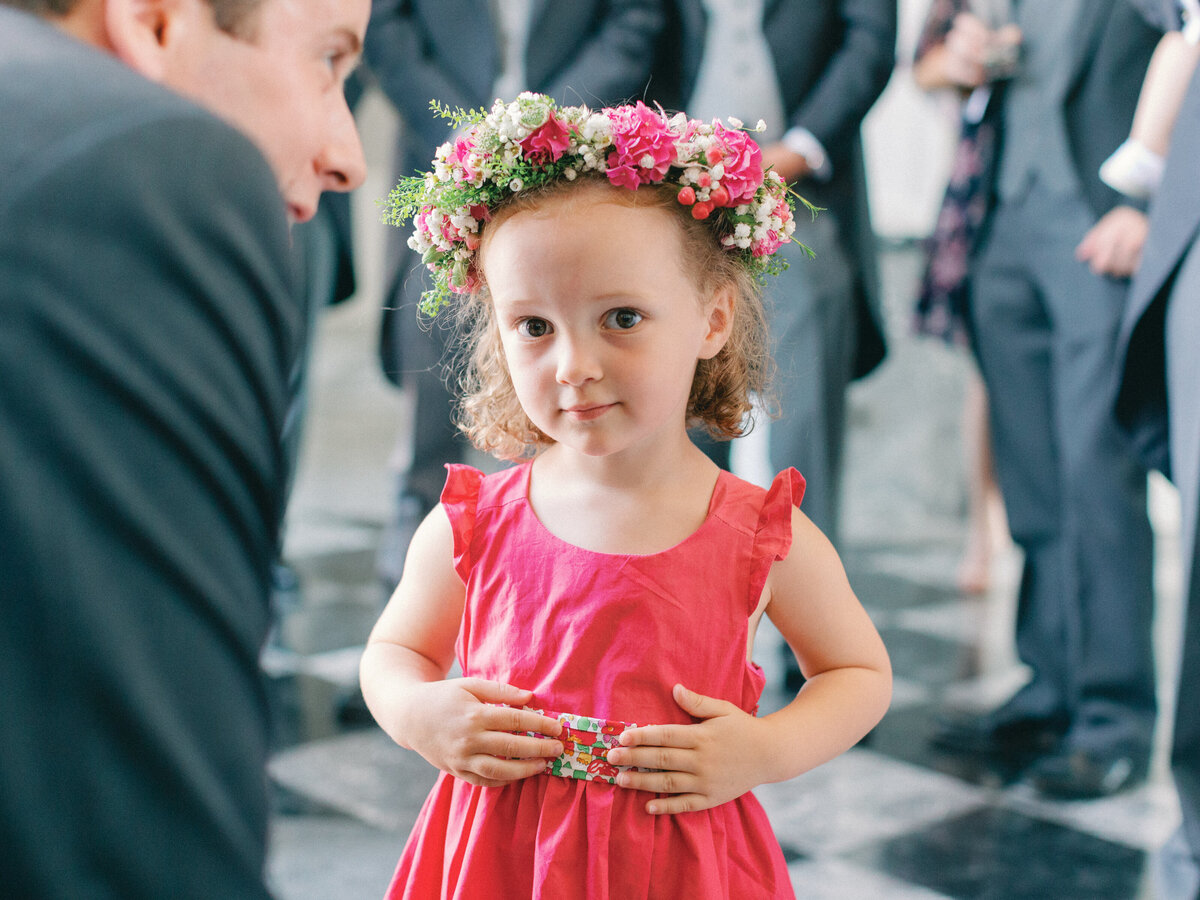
[
  {"x": 601, "y": 638},
  {"x": 941, "y": 309}
]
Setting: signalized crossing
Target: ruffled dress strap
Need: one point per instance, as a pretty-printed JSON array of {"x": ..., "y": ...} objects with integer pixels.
[
  {"x": 460, "y": 500},
  {"x": 773, "y": 535}
]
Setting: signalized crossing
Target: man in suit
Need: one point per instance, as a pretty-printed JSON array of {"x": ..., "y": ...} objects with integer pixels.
[
  {"x": 1048, "y": 285},
  {"x": 148, "y": 330},
  {"x": 811, "y": 71},
  {"x": 464, "y": 54},
  {"x": 1158, "y": 403}
]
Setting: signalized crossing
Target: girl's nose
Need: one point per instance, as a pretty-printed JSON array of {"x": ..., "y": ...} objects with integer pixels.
[{"x": 578, "y": 362}]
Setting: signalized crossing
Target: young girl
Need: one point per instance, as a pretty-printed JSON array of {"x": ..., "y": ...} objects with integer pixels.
[{"x": 601, "y": 597}]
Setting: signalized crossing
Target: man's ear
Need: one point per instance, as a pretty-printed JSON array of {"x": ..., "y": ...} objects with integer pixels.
[
  {"x": 139, "y": 31},
  {"x": 720, "y": 320}
]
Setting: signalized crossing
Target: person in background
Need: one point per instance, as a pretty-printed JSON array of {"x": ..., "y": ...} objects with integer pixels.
[
  {"x": 1158, "y": 405},
  {"x": 1048, "y": 281},
  {"x": 464, "y": 54},
  {"x": 810, "y": 71},
  {"x": 151, "y": 157},
  {"x": 985, "y": 49}
]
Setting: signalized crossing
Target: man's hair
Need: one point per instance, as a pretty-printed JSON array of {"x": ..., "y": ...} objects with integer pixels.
[{"x": 236, "y": 17}]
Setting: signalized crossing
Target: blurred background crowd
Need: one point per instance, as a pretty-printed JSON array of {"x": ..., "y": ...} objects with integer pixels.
[{"x": 986, "y": 372}]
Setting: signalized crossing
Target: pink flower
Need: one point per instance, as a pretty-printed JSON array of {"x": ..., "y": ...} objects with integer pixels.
[
  {"x": 458, "y": 156},
  {"x": 547, "y": 143},
  {"x": 623, "y": 176},
  {"x": 767, "y": 245},
  {"x": 643, "y": 145},
  {"x": 742, "y": 163}
]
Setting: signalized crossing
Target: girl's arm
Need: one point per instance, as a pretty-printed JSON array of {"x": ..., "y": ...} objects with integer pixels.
[
  {"x": 847, "y": 690},
  {"x": 453, "y": 723}
]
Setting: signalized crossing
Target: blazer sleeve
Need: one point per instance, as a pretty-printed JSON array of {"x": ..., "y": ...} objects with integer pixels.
[
  {"x": 854, "y": 77},
  {"x": 401, "y": 56},
  {"x": 614, "y": 61},
  {"x": 147, "y": 331}
]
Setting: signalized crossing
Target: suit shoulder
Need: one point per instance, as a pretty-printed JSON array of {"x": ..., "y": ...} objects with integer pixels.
[{"x": 64, "y": 101}]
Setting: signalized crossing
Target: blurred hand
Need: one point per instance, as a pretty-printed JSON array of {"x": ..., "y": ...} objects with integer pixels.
[
  {"x": 788, "y": 163},
  {"x": 454, "y": 726},
  {"x": 975, "y": 54},
  {"x": 1114, "y": 244}
]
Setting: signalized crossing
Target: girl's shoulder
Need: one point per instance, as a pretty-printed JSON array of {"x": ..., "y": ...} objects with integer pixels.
[
  {"x": 749, "y": 506},
  {"x": 469, "y": 486}
]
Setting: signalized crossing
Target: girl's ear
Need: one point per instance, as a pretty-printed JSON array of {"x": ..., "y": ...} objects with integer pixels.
[
  {"x": 720, "y": 321},
  {"x": 140, "y": 31}
]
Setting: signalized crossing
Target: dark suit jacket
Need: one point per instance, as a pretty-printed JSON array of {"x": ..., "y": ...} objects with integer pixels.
[
  {"x": 146, "y": 334},
  {"x": 1115, "y": 42},
  {"x": 833, "y": 59},
  {"x": 595, "y": 52},
  {"x": 1141, "y": 393}
]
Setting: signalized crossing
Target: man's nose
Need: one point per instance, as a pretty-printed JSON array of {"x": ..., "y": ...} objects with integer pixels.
[{"x": 342, "y": 165}]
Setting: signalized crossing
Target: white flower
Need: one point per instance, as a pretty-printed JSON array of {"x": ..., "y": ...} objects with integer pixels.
[
  {"x": 741, "y": 230},
  {"x": 597, "y": 125},
  {"x": 735, "y": 122},
  {"x": 516, "y": 185},
  {"x": 761, "y": 125}
]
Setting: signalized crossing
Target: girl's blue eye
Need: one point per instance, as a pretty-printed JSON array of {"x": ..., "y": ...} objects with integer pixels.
[
  {"x": 622, "y": 319},
  {"x": 533, "y": 328}
]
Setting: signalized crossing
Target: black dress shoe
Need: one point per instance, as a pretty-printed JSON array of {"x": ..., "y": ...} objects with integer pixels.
[
  {"x": 1002, "y": 732},
  {"x": 1087, "y": 775}
]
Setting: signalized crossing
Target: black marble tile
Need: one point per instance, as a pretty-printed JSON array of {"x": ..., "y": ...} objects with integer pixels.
[
  {"x": 791, "y": 854},
  {"x": 928, "y": 659},
  {"x": 994, "y": 853},
  {"x": 905, "y": 733},
  {"x": 304, "y": 708}
]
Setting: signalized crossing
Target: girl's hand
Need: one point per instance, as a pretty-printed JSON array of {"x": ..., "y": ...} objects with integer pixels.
[
  {"x": 702, "y": 765},
  {"x": 454, "y": 725}
]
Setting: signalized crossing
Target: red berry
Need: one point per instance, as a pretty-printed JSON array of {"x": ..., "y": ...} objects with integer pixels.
[
  {"x": 704, "y": 180},
  {"x": 702, "y": 210},
  {"x": 686, "y": 196},
  {"x": 719, "y": 196}
]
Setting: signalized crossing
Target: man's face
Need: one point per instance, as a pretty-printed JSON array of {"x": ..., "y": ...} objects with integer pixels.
[{"x": 282, "y": 86}]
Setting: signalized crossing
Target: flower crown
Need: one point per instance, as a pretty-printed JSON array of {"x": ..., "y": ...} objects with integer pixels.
[{"x": 523, "y": 145}]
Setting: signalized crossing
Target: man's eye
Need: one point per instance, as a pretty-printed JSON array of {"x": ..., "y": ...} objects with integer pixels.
[
  {"x": 622, "y": 319},
  {"x": 533, "y": 328}
]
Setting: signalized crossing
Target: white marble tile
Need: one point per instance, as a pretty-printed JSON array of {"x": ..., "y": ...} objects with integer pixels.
[
  {"x": 861, "y": 797},
  {"x": 1143, "y": 818},
  {"x": 907, "y": 694},
  {"x": 835, "y": 879}
]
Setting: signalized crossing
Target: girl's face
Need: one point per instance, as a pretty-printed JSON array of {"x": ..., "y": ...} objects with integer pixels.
[{"x": 600, "y": 325}]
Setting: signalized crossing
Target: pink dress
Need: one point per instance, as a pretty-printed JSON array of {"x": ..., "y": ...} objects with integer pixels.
[{"x": 606, "y": 636}]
